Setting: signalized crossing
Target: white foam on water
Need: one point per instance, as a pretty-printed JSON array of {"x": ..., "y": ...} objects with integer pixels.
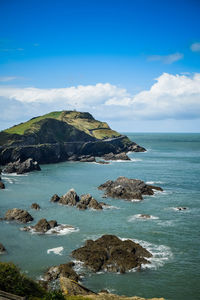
[
  {"x": 161, "y": 254},
  {"x": 62, "y": 229},
  {"x": 78, "y": 265},
  {"x": 13, "y": 174},
  {"x": 180, "y": 210},
  {"x": 57, "y": 250},
  {"x": 135, "y": 200},
  {"x": 166, "y": 223},
  {"x": 154, "y": 182},
  {"x": 136, "y": 159},
  {"x": 9, "y": 180},
  {"x": 139, "y": 217},
  {"x": 110, "y": 207}
]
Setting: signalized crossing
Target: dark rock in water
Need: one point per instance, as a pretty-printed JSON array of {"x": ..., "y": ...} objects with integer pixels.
[
  {"x": 129, "y": 189},
  {"x": 2, "y": 249},
  {"x": 119, "y": 156},
  {"x": 70, "y": 198},
  {"x": 181, "y": 208},
  {"x": 94, "y": 204},
  {"x": 53, "y": 223},
  {"x": 64, "y": 270},
  {"x": 111, "y": 254},
  {"x": 42, "y": 226},
  {"x": 144, "y": 216},
  {"x": 22, "y": 167},
  {"x": 18, "y": 215},
  {"x": 136, "y": 148},
  {"x": 102, "y": 162},
  {"x": 2, "y": 185},
  {"x": 55, "y": 198},
  {"x": 35, "y": 206},
  {"x": 87, "y": 158},
  {"x": 87, "y": 201}
]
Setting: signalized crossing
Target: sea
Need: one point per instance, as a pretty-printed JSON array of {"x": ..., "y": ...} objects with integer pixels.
[{"x": 172, "y": 161}]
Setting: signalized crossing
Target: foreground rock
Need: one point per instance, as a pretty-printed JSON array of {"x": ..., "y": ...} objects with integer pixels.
[
  {"x": 44, "y": 226},
  {"x": 119, "y": 156},
  {"x": 129, "y": 189},
  {"x": 22, "y": 167},
  {"x": 35, "y": 206},
  {"x": 64, "y": 270},
  {"x": 18, "y": 215},
  {"x": 2, "y": 249},
  {"x": 71, "y": 198},
  {"x": 111, "y": 254}
]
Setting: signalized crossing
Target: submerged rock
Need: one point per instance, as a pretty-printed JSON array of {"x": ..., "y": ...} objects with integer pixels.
[
  {"x": 64, "y": 270},
  {"x": 18, "y": 215},
  {"x": 129, "y": 189},
  {"x": 22, "y": 167},
  {"x": 109, "y": 253},
  {"x": 181, "y": 208},
  {"x": 119, "y": 156},
  {"x": 144, "y": 216},
  {"x": 35, "y": 206},
  {"x": 2, "y": 185},
  {"x": 2, "y": 249}
]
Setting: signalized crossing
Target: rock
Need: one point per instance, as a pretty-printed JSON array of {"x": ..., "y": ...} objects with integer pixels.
[
  {"x": 136, "y": 148},
  {"x": 129, "y": 189},
  {"x": 88, "y": 201},
  {"x": 53, "y": 223},
  {"x": 119, "y": 156},
  {"x": 22, "y": 167},
  {"x": 87, "y": 158},
  {"x": 73, "y": 288},
  {"x": 81, "y": 206},
  {"x": 2, "y": 185},
  {"x": 64, "y": 270},
  {"x": 111, "y": 254},
  {"x": 102, "y": 162},
  {"x": 94, "y": 204},
  {"x": 181, "y": 208},
  {"x": 55, "y": 198},
  {"x": 2, "y": 249},
  {"x": 18, "y": 215},
  {"x": 35, "y": 206},
  {"x": 144, "y": 216},
  {"x": 70, "y": 198},
  {"x": 42, "y": 226}
]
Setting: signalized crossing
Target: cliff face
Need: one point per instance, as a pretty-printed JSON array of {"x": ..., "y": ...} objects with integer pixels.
[{"x": 58, "y": 135}]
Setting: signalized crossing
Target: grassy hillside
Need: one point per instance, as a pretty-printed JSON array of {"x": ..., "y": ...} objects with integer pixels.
[{"x": 67, "y": 126}]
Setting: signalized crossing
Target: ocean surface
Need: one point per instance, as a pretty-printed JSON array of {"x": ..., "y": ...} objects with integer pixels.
[{"x": 172, "y": 161}]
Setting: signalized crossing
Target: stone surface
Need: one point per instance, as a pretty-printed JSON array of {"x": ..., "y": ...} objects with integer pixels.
[
  {"x": 35, "y": 206},
  {"x": 2, "y": 185},
  {"x": 109, "y": 253},
  {"x": 119, "y": 156},
  {"x": 55, "y": 198},
  {"x": 70, "y": 198},
  {"x": 64, "y": 270},
  {"x": 144, "y": 216},
  {"x": 2, "y": 249},
  {"x": 18, "y": 215},
  {"x": 128, "y": 189},
  {"x": 73, "y": 288},
  {"x": 42, "y": 226},
  {"x": 22, "y": 167}
]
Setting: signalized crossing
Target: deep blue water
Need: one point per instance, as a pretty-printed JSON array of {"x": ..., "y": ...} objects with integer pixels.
[{"x": 172, "y": 162}]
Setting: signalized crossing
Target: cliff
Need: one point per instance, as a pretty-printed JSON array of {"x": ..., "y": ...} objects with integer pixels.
[{"x": 58, "y": 135}]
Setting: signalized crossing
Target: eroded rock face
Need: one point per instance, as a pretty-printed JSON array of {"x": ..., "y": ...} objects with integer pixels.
[
  {"x": 55, "y": 198},
  {"x": 2, "y": 249},
  {"x": 129, "y": 189},
  {"x": 64, "y": 270},
  {"x": 111, "y": 254},
  {"x": 22, "y": 167},
  {"x": 42, "y": 226},
  {"x": 119, "y": 156},
  {"x": 35, "y": 206},
  {"x": 18, "y": 215},
  {"x": 70, "y": 198}
]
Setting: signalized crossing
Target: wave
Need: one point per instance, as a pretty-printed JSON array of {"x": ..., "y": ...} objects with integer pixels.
[
  {"x": 135, "y": 200},
  {"x": 57, "y": 250},
  {"x": 154, "y": 182},
  {"x": 62, "y": 229},
  {"x": 110, "y": 207},
  {"x": 13, "y": 174},
  {"x": 142, "y": 218},
  {"x": 161, "y": 254}
]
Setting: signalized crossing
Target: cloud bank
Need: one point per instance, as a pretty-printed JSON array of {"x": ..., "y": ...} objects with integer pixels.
[
  {"x": 166, "y": 59},
  {"x": 170, "y": 97}
]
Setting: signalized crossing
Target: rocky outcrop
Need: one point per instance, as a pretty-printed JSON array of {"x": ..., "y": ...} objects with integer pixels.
[
  {"x": 119, "y": 156},
  {"x": 22, "y": 167},
  {"x": 64, "y": 270},
  {"x": 82, "y": 158},
  {"x": 18, "y": 215},
  {"x": 35, "y": 206},
  {"x": 2, "y": 185},
  {"x": 43, "y": 226},
  {"x": 73, "y": 288},
  {"x": 144, "y": 216},
  {"x": 109, "y": 253},
  {"x": 128, "y": 189},
  {"x": 2, "y": 249},
  {"x": 71, "y": 198}
]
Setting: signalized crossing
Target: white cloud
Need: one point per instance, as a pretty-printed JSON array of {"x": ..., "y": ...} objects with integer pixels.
[
  {"x": 170, "y": 97},
  {"x": 195, "y": 47},
  {"x": 7, "y": 78},
  {"x": 166, "y": 59}
]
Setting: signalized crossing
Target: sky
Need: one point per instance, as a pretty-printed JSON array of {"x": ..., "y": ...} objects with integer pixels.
[{"x": 132, "y": 63}]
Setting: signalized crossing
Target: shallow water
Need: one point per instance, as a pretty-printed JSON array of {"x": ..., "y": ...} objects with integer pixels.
[{"x": 172, "y": 162}]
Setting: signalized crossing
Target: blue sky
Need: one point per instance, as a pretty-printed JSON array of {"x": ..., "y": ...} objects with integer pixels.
[{"x": 134, "y": 64}]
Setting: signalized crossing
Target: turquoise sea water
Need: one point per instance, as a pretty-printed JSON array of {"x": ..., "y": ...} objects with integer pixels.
[{"x": 172, "y": 162}]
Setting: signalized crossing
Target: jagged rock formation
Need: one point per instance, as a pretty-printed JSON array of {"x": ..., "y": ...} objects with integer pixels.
[
  {"x": 64, "y": 270},
  {"x": 35, "y": 206},
  {"x": 72, "y": 199},
  {"x": 18, "y": 215},
  {"x": 109, "y": 253},
  {"x": 128, "y": 189},
  {"x": 44, "y": 226},
  {"x": 2, "y": 249},
  {"x": 22, "y": 167},
  {"x": 58, "y": 136}
]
